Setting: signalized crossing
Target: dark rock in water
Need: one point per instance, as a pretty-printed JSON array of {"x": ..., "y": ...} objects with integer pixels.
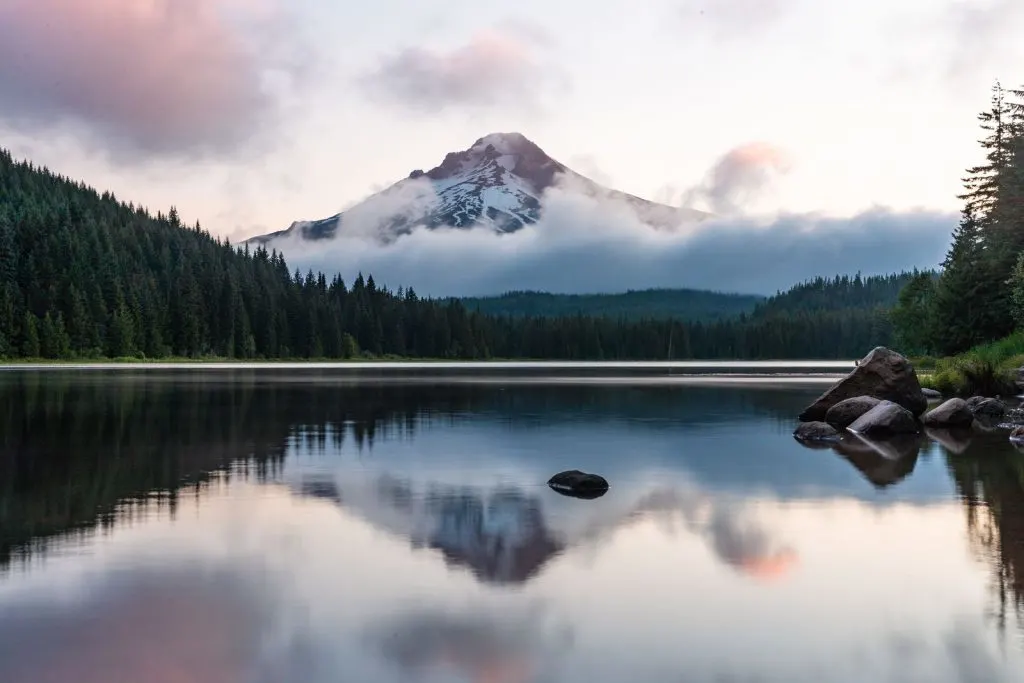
[
  {"x": 885, "y": 418},
  {"x": 579, "y": 484},
  {"x": 882, "y": 374},
  {"x": 931, "y": 393},
  {"x": 1017, "y": 435},
  {"x": 953, "y": 413},
  {"x": 816, "y": 431},
  {"x": 989, "y": 407},
  {"x": 843, "y": 414}
]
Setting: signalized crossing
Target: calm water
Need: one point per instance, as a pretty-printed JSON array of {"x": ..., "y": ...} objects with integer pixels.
[{"x": 250, "y": 526}]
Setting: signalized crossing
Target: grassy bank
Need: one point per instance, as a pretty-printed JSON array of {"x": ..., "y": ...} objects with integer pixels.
[{"x": 988, "y": 370}]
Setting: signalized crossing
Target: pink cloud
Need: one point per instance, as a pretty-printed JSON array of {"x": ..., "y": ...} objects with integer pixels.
[
  {"x": 149, "y": 75},
  {"x": 496, "y": 66}
]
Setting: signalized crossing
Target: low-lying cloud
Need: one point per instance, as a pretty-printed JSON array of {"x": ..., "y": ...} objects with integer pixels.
[
  {"x": 156, "y": 77},
  {"x": 501, "y": 66},
  {"x": 586, "y": 243}
]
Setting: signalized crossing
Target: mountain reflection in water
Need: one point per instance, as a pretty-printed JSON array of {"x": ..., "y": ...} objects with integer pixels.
[{"x": 226, "y": 528}]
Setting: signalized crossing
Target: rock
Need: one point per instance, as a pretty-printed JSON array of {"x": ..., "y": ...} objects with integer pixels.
[
  {"x": 882, "y": 374},
  {"x": 931, "y": 393},
  {"x": 989, "y": 407},
  {"x": 844, "y": 413},
  {"x": 1017, "y": 435},
  {"x": 579, "y": 484},
  {"x": 816, "y": 431},
  {"x": 885, "y": 418},
  {"x": 953, "y": 413}
]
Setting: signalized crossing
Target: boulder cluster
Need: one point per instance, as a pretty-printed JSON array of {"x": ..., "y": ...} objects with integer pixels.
[{"x": 882, "y": 397}]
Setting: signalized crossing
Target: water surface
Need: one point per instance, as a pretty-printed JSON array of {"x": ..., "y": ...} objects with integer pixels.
[{"x": 253, "y": 525}]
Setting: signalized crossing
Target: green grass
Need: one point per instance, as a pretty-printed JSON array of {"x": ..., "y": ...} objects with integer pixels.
[{"x": 986, "y": 370}]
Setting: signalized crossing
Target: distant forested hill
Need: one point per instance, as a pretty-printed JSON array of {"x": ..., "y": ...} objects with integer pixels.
[
  {"x": 842, "y": 292},
  {"x": 680, "y": 304},
  {"x": 838, "y": 293}
]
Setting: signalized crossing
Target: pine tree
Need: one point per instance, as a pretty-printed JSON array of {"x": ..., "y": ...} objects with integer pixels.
[{"x": 30, "y": 336}]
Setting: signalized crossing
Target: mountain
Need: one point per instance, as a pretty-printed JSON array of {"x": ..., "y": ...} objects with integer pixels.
[{"x": 498, "y": 182}]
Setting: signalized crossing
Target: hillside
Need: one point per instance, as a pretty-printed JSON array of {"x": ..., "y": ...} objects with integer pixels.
[
  {"x": 679, "y": 304},
  {"x": 838, "y": 293}
]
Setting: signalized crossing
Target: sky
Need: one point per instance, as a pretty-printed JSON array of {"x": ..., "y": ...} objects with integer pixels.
[{"x": 250, "y": 114}]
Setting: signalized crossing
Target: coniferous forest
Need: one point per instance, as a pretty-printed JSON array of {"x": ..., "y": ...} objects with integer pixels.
[
  {"x": 979, "y": 296},
  {"x": 85, "y": 275}
]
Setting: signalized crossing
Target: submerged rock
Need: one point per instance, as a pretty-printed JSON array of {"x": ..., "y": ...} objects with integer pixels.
[
  {"x": 882, "y": 374},
  {"x": 885, "y": 418},
  {"x": 816, "y": 431},
  {"x": 953, "y": 413},
  {"x": 579, "y": 484},
  {"x": 844, "y": 413}
]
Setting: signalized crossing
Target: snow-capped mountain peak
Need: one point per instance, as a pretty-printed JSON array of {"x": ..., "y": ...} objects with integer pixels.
[{"x": 498, "y": 183}]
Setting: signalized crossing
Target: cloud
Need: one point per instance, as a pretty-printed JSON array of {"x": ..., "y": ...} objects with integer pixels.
[
  {"x": 956, "y": 43},
  {"x": 503, "y": 66},
  {"x": 731, "y": 18},
  {"x": 167, "y": 77},
  {"x": 738, "y": 178},
  {"x": 598, "y": 244}
]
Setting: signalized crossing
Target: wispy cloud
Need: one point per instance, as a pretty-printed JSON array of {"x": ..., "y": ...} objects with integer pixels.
[{"x": 501, "y": 66}]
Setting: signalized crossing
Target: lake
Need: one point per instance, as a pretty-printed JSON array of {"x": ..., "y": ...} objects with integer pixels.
[{"x": 392, "y": 523}]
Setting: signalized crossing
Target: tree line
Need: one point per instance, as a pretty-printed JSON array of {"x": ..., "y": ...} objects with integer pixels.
[
  {"x": 85, "y": 275},
  {"x": 979, "y": 295}
]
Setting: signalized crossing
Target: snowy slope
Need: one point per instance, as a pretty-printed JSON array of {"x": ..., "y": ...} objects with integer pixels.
[{"x": 498, "y": 183}]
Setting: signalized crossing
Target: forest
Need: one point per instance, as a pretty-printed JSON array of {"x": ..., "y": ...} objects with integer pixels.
[
  {"x": 680, "y": 304},
  {"x": 975, "y": 307},
  {"x": 85, "y": 275}
]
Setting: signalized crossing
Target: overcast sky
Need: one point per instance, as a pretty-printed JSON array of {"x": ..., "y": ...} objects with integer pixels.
[{"x": 249, "y": 114}]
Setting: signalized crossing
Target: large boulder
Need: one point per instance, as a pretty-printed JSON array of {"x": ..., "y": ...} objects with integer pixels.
[
  {"x": 884, "y": 419},
  {"x": 816, "y": 431},
  {"x": 953, "y": 413},
  {"x": 844, "y": 413},
  {"x": 882, "y": 374}
]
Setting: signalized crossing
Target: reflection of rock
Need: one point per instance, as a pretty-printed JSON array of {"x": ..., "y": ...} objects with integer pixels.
[
  {"x": 812, "y": 432},
  {"x": 883, "y": 462},
  {"x": 955, "y": 440},
  {"x": 884, "y": 419},
  {"x": 883, "y": 374}
]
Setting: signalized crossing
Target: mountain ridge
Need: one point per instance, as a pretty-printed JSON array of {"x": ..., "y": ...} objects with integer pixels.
[{"x": 499, "y": 183}]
